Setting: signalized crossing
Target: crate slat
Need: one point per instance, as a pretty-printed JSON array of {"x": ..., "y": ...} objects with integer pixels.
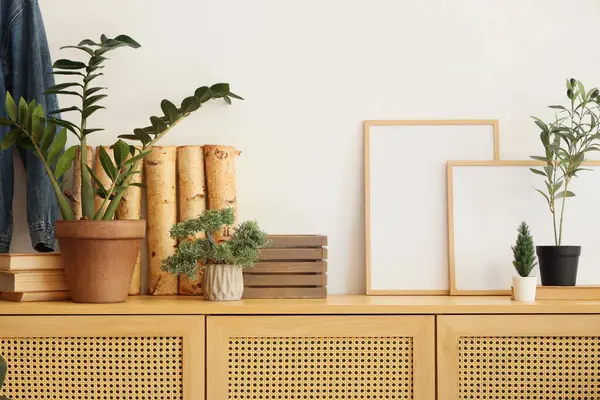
[
  {"x": 292, "y": 241},
  {"x": 288, "y": 267},
  {"x": 299, "y": 254},
  {"x": 285, "y": 293},
  {"x": 285, "y": 280}
]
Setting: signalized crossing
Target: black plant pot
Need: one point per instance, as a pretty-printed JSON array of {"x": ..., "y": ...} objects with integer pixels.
[{"x": 558, "y": 264}]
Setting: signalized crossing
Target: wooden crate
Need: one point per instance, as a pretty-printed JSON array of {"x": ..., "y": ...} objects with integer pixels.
[
  {"x": 295, "y": 267},
  {"x": 565, "y": 293}
]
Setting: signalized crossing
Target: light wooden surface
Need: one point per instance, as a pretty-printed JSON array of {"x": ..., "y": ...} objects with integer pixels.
[
  {"x": 567, "y": 293},
  {"x": 368, "y": 185},
  {"x": 189, "y": 328},
  {"x": 340, "y": 304},
  {"x": 506, "y": 355},
  {"x": 288, "y": 331}
]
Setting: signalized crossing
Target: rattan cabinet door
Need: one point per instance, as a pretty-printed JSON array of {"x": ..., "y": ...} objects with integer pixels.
[
  {"x": 103, "y": 357},
  {"x": 522, "y": 357},
  {"x": 320, "y": 357}
]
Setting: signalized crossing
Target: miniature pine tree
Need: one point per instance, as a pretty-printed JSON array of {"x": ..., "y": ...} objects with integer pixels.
[{"x": 523, "y": 251}]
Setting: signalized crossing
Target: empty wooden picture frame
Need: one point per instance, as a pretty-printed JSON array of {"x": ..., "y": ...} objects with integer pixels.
[
  {"x": 405, "y": 199},
  {"x": 486, "y": 203}
]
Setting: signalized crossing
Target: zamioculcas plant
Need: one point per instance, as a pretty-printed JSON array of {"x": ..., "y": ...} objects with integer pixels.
[
  {"x": 566, "y": 140},
  {"x": 222, "y": 261},
  {"x": 46, "y": 135}
]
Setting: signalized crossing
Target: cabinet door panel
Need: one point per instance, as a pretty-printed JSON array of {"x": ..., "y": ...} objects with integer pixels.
[
  {"x": 103, "y": 357},
  {"x": 320, "y": 357},
  {"x": 514, "y": 357}
]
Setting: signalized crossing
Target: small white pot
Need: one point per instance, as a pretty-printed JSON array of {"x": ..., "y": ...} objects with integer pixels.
[
  {"x": 222, "y": 282},
  {"x": 524, "y": 288}
]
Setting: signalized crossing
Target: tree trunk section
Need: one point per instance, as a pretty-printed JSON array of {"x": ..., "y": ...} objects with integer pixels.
[
  {"x": 161, "y": 198},
  {"x": 192, "y": 202},
  {"x": 76, "y": 188},
  {"x": 102, "y": 176},
  {"x": 131, "y": 208},
  {"x": 219, "y": 163}
]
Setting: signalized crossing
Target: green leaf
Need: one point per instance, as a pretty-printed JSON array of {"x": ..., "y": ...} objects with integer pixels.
[
  {"x": 91, "y": 77},
  {"x": 107, "y": 164},
  {"x": 90, "y": 110},
  {"x": 103, "y": 38},
  {"x": 83, "y": 48},
  {"x": 537, "y": 171},
  {"x": 88, "y": 42},
  {"x": 549, "y": 171},
  {"x": 539, "y": 158},
  {"x": 203, "y": 94},
  {"x": 5, "y": 121},
  {"x": 88, "y": 131},
  {"x": 136, "y": 158},
  {"x": 23, "y": 110},
  {"x": 558, "y": 107},
  {"x": 543, "y": 194},
  {"x": 541, "y": 125},
  {"x": 190, "y": 104},
  {"x": 128, "y": 41},
  {"x": 96, "y": 60},
  {"x": 158, "y": 124},
  {"x": 10, "y": 139},
  {"x": 11, "y": 107},
  {"x": 235, "y": 96},
  {"x": 68, "y": 64},
  {"x": 48, "y": 137},
  {"x": 66, "y": 124},
  {"x": 95, "y": 178},
  {"x": 169, "y": 110},
  {"x": 38, "y": 122},
  {"x": 220, "y": 89},
  {"x": 564, "y": 193},
  {"x": 227, "y": 99},
  {"x": 93, "y": 90},
  {"x": 64, "y": 110},
  {"x": 67, "y": 73},
  {"x": 25, "y": 143},
  {"x": 138, "y": 184},
  {"x": 93, "y": 99},
  {"x": 57, "y": 146},
  {"x": 65, "y": 161},
  {"x": 581, "y": 90},
  {"x": 3, "y": 369},
  {"x": 120, "y": 152},
  {"x": 62, "y": 86},
  {"x": 65, "y": 92},
  {"x": 128, "y": 137},
  {"x": 142, "y": 136}
]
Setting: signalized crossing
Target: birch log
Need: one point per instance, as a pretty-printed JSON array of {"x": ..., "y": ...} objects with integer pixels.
[
  {"x": 192, "y": 201},
  {"x": 130, "y": 207},
  {"x": 219, "y": 162},
  {"x": 102, "y": 176},
  {"x": 161, "y": 197},
  {"x": 76, "y": 188}
]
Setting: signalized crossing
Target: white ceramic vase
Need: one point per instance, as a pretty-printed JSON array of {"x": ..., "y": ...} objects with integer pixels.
[
  {"x": 524, "y": 288},
  {"x": 223, "y": 282}
]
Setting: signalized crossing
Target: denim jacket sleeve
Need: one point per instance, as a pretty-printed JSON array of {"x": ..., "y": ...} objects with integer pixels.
[{"x": 27, "y": 72}]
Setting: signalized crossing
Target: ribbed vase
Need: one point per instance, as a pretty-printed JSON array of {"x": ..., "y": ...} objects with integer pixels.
[{"x": 223, "y": 283}]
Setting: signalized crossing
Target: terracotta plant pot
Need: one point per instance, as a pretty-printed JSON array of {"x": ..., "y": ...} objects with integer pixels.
[
  {"x": 222, "y": 282},
  {"x": 99, "y": 257}
]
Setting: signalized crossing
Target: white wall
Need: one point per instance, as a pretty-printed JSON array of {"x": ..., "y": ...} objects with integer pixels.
[{"x": 313, "y": 70}]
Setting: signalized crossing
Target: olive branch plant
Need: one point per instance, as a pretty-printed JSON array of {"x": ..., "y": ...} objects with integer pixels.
[
  {"x": 574, "y": 132},
  {"x": 46, "y": 134}
]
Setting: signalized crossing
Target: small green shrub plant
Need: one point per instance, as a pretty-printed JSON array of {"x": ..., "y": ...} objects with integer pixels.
[
  {"x": 43, "y": 132},
  {"x": 240, "y": 250},
  {"x": 524, "y": 251}
]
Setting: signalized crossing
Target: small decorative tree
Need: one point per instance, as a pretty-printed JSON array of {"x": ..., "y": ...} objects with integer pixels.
[
  {"x": 192, "y": 255},
  {"x": 523, "y": 251}
]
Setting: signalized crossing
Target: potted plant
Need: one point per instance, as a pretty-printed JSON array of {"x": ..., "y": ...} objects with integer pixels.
[
  {"x": 572, "y": 134},
  {"x": 524, "y": 261},
  {"x": 222, "y": 260},
  {"x": 99, "y": 253}
]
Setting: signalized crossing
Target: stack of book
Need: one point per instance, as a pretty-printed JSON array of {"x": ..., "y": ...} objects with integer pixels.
[{"x": 32, "y": 277}]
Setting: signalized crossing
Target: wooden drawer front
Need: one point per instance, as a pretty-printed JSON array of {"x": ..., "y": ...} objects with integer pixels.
[
  {"x": 519, "y": 357},
  {"x": 120, "y": 358},
  {"x": 289, "y": 358}
]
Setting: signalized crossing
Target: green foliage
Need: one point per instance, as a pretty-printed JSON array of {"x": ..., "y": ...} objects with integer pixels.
[
  {"x": 3, "y": 369},
  {"x": 574, "y": 132},
  {"x": 33, "y": 128},
  {"x": 192, "y": 254},
  {"x": 524, "y": 251}
]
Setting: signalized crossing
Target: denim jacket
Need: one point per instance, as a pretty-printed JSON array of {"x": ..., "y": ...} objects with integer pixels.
[{"x": 25, "y": 71}]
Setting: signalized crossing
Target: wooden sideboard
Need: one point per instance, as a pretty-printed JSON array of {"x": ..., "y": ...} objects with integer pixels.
[{"x": 342, "y": 347}]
